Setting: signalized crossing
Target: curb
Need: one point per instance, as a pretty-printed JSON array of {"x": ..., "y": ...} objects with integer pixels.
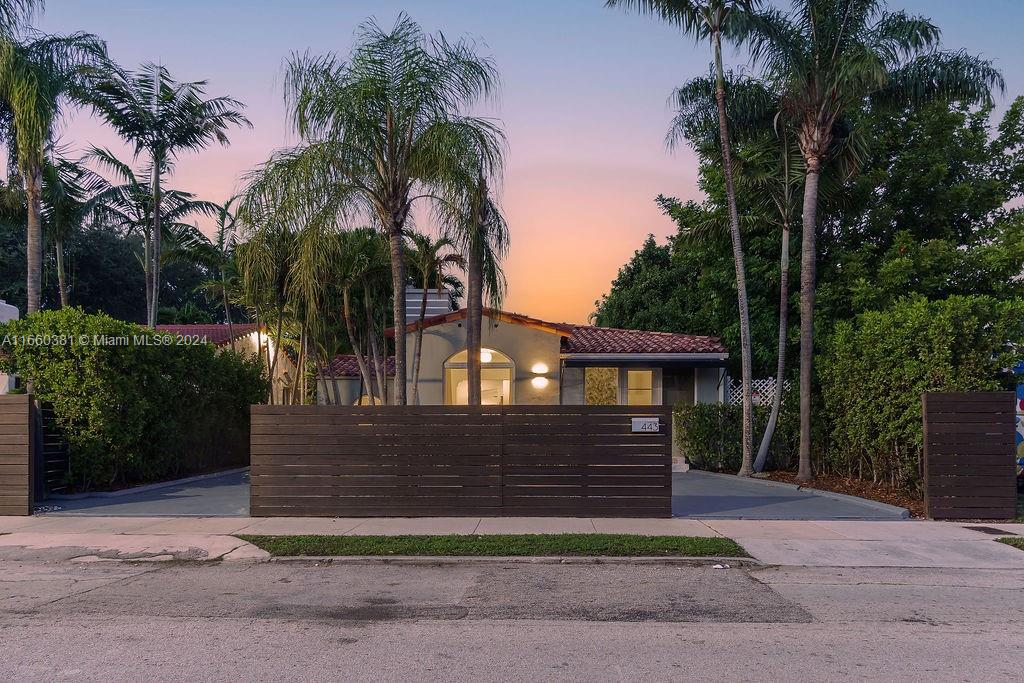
[
  {"x": 902, "y": 513},
  {"x": 681, "y": 561},
  {"x": 145, "y": 488}
]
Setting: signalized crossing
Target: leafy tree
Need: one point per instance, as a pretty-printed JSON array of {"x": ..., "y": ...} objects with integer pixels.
[
  {"x": 876, "y": 366},
  {"x": 161, "y": 118}
]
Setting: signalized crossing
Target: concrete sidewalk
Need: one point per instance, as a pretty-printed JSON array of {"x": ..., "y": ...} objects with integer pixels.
[{"x": 911, "y": 543}]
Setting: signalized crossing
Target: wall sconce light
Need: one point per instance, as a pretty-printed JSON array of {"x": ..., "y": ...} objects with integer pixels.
[
  {"x": 539, "y": 369},
  {"x": 539, "y": 382}
]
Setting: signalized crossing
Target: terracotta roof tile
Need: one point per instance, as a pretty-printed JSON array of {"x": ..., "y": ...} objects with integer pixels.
[
  {"x": 586, "y": 339},
  {"x": 346, "y": 366},
  {"x": 216, "y": 333}
]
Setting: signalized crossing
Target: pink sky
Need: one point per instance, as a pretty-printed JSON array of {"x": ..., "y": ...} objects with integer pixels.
[{"x": 584, "y": 102}]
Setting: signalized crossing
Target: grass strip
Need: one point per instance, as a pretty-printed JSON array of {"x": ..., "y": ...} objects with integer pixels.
[
  {"x": 1015, "y": 541},
  {"x": 500, "y": 545}
]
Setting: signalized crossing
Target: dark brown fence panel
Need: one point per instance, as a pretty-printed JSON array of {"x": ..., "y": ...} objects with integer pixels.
[
  {"x": 16, "y": 443},
  {"x": 969, "y": 445},
  {"x": 402, "y": 461},
  {"x": 585, "y": 461},
  {"x": 449, "y": 460}
]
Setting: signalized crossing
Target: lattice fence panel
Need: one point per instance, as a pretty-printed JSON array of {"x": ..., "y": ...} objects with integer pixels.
[{"x": 763, "y": 390}]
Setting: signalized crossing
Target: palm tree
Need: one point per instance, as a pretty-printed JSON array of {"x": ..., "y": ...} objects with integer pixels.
[
  {"x": 38, "y": 74},
  {"x": 429, "y": 262},
  {"x": 480, "y": 231},
  {"x": 713, "y": 20},
  {"x": 162, "y": 118},
  {"x": 126, "y": 203},
  {"x": 378, "y": 132},
  {"x": 218, "y": 255},
  {"x": 828, "y": 59},
  {"x": 768, "y": 168},
  {"x": 64, "y": 202},
  {"x": 267, "y": 266}
]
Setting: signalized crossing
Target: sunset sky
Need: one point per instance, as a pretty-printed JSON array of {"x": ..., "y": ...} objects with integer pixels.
[{"x": 584, "y": 103}]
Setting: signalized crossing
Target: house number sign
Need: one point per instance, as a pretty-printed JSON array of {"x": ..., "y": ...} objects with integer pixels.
[{"x": 646, "y": 425}]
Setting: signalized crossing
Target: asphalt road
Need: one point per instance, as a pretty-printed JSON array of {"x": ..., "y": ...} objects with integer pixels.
[{"x": 168, "y": 621}]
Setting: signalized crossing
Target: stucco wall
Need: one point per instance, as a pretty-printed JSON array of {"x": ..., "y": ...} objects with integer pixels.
[
  {"x": 526, "y": 347},
  {"x": 348, "y": 391},
  {"x": 284, "y": 370},
  {"x": 710, "y": 383}
]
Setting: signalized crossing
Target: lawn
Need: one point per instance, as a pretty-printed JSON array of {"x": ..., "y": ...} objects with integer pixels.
[
  {"x": 1015, "y": 541},
  {"x": 505, "y": 545}
]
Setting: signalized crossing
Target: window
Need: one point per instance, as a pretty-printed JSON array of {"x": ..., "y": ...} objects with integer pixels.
[
  {"x": 639, "y": 387},
  {"x": 496, "y": 372},
  {"x": 601, "y": 386}
]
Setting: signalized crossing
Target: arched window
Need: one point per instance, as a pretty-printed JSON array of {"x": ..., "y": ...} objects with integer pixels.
[{"x": 496, "y": 374}]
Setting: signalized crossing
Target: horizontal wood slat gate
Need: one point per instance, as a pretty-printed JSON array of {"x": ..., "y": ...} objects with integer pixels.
[
  {"x": 418, "y": 461},
  {"x": 969, "y": 445},
  {"x": 17, "y": 438}
]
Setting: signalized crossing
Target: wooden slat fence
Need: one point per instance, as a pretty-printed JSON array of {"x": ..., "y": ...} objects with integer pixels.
[
  {"x": 17, "y": 436},
  {"x": 969, "y": 445},
  {"x": 414, "y": 461}
]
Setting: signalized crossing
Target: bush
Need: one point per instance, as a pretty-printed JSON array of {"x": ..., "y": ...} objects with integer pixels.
[
  {"x": 132, "y": 407},
  {"x": 710, "y": 434},
  {"x": 874, "y": 369}
]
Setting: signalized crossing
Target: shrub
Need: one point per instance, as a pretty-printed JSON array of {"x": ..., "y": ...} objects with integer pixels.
[
  {"x": 133, "y": 408},
  {"x": 874, "y": 369},
  {"x": 710, "y": 434}
]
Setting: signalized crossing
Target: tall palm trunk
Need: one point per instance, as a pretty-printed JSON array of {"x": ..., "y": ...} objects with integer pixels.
[
  {"x": 157, "y": 248},
  {"x": 398, "y": 309},
  {"x": 298, "y": 384},
  {"x": 808, "y": 265},
  {"x": 62, "y": 276},
  {"x": 378, "y": 364},
  {"x": 364, "y": 372},
  {"x": 277, "y": 348},
  {"x": 417, "y": 350},
  {"x": 474, "y": 319},
  {"x": 227, "y": 308},
  {"x": 147, "y": 267},
  {"x": 34, "y": 237},
  {"x": 737, "y": 254},
  {"x": 780, "y": 370}
]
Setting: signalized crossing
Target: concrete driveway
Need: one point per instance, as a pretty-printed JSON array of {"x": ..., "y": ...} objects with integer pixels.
[
  {"x": 226, "y": 495},
  {"x": 707, "y": 495},
  {"x": 696, "y": 494}
]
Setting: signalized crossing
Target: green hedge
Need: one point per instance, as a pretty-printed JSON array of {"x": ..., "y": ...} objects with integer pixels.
[
  {"x": 136, "y": 408},
  {"x": 874, "y": 369},
  {"x": 709, "y": 434}
]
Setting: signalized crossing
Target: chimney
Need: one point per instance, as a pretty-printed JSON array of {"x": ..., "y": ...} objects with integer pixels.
[{"x": 437, "y": 303}]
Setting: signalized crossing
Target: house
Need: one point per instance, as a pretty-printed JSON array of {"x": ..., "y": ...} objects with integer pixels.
[
  {"x": 245, "y": 338},
  {"x": 531, "y": 361}
]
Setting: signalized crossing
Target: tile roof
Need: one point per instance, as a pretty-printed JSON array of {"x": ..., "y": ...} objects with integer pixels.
[
  {"x": 346, "y": 366},
  {"x": 587, "y": 339},
  {"x": 493, "y": 313},
  {"x": 216, "y": 333}
]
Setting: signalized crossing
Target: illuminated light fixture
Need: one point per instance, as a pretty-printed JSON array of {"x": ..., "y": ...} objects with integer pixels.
[
  {"x": 539, "y": 382},
  {"x": 539, "y": 369},
  {"x": 486, "y": 355}
]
